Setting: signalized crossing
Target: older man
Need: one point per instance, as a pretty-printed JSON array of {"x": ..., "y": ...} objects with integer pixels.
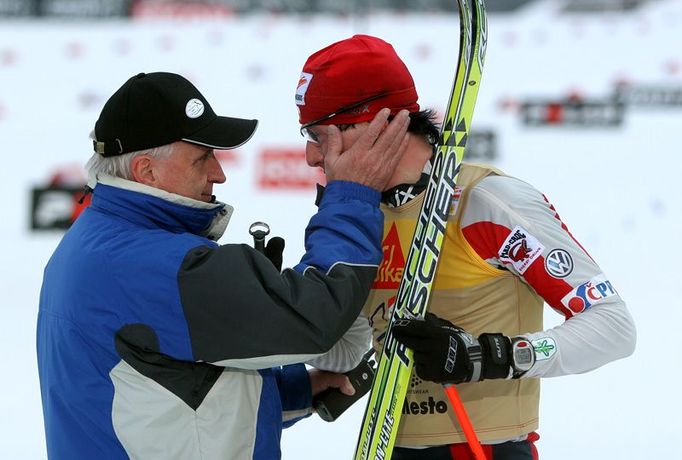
[{"x": 155, "y": 342}]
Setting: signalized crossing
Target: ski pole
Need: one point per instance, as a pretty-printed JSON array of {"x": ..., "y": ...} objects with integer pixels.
[{"x": 464, "y": 421}]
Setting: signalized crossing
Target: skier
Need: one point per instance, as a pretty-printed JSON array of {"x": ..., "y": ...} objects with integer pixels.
[
  {"x": 506, "y": 253},
  {"x": 153, "y": 341}
]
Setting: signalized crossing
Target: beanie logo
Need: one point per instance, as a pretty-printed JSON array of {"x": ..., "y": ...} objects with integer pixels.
[
  {"x": 194, "y": 108},
  {"x": 303, "y": 84}
]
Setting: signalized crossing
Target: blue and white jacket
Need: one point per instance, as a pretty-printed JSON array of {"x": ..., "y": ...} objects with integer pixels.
[{"x": 154, "y": 342}]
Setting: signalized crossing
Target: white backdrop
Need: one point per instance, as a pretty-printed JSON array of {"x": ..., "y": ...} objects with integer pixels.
[{"x": 615, "y": 188}]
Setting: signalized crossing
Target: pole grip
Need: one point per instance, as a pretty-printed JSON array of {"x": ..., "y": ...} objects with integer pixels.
[{"x": 259, "y": 230}]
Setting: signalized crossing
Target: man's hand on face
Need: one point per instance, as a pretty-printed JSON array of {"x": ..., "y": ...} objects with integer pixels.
[{"x": 372, "y": 159}]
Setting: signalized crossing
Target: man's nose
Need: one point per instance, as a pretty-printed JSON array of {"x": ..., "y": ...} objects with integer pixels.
[
  {"x": 216, "y": 174},
  {"x": 313, "y": 155}
]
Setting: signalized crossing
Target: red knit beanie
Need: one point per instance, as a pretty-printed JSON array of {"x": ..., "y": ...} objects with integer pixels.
[{"x": 349, "y": 71}]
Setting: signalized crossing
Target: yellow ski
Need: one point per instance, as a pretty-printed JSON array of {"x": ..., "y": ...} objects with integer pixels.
[{"x": 385, "y": 404}]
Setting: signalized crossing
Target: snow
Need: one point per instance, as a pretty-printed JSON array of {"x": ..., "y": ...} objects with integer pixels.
[{"x": 616, "y": 188}]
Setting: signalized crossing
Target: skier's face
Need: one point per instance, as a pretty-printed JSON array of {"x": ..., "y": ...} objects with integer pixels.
[
  {"x": 315, "y": 132},
  {"x": 315, "y": 149}
]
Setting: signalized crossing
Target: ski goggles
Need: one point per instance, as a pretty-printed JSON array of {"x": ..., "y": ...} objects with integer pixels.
[{"x": 311, "y": 136}]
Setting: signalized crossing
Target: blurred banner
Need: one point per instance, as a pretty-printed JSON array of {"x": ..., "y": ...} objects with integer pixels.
[
  {"x": 650, "y": 95},
  {"x": 586, "y": 6},
  {"x": 285, "y": 169},
  {"x": 221, "y": 8},
  {"x": 56, "y": 204},
  {"x": 482, "y": 147},
  {"x": 588, "y": 113},
  {"x": 66, "y": 8},
  {"x": 57, "y": 207}
]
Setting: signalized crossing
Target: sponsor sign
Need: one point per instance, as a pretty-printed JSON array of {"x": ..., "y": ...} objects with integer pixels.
[
  {"x": 559, "y": 263},
  {"x": 454, "y": 204},
  {"x": 568, "y": 112},
  {"x": 649, "y": 96},
  {"x": 426, "y": 407},
  {"x": 544, "y": 347},
  {"x": 194, "y": 108},
  {"x": 587, "y": 294},
  {"x": 520, "y": 249},
  {"x": 451, "y": 359},
  {"x": 56, "y": 207},
  {"x": 393, "y": 264},
  {"x": 286, "y": 169},
  {"x": 302, "y": 87}
]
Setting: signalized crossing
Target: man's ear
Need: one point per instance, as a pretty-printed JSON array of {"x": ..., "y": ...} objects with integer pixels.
[{"x": 142, "y": 170}]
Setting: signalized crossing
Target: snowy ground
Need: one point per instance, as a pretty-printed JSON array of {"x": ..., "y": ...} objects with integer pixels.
[{"x": 614, "y": 187}]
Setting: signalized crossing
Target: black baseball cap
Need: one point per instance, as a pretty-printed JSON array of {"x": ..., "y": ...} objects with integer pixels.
[{"x": 155, "y": 109}]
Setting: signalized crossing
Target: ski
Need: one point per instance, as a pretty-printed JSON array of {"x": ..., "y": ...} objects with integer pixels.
[{"x": 385, "y": 403}]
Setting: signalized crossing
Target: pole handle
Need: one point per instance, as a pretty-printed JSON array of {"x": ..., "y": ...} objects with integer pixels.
[{"x": 259, "y": 230}]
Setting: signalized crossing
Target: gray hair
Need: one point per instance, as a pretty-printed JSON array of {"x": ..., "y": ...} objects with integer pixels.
[{"x": 119, "y": 166}]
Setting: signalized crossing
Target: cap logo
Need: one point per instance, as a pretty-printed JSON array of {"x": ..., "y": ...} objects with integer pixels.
[
  {"x": 360, "y": 110},
  {"x": 194, "y": 108},
  {"x": 303, "y": 84}
]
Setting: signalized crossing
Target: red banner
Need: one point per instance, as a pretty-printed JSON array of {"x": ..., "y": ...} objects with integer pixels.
[{"x": 286, "y": 169}]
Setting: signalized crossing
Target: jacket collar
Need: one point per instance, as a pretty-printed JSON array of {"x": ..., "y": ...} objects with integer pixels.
[{"x": 154, "y": 208}]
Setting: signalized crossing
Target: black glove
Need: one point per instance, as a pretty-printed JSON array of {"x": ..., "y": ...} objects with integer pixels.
[
  {"x": 445, "y": 353},
  {"x": 273, "y": 251}
]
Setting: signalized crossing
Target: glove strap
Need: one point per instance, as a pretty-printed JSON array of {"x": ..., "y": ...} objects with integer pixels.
[
  {"x": 497, "y": 359},
  {"x": 475, "y": 353}
]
